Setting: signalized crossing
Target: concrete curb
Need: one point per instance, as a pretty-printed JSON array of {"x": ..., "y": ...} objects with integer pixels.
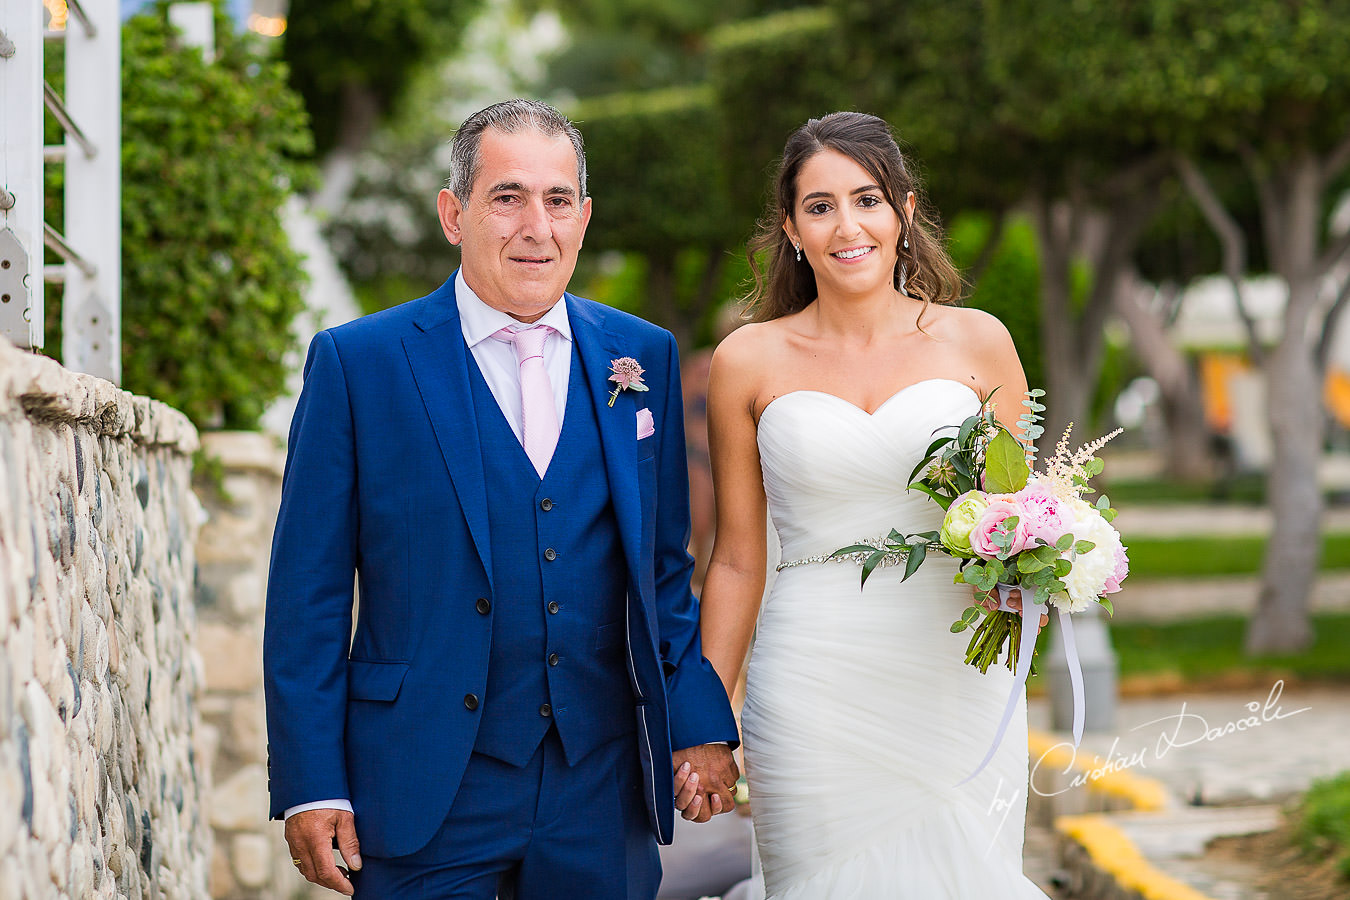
[{"x": 1100, "y": 858}]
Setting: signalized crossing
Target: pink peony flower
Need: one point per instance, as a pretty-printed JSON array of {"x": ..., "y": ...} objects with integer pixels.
[
  {"x": 1043, "y": 514},
  {"x": 1122, "y": 569},
  {"x": 1001, "y": 506}
]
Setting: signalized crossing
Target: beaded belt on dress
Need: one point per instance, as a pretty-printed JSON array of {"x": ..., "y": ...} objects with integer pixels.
[{"x": 892, "y": 557}]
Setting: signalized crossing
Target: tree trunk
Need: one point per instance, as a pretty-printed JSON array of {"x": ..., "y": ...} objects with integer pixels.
[
  {"x": 1072, "y": 343},
  {"x": 1067, "y": 391},
  {"x": 1188, "y": 454},
  {"x": 1282, "y": 623},
  {"x": 359, "y": 115},
  {"x": 662, "y": 305}
]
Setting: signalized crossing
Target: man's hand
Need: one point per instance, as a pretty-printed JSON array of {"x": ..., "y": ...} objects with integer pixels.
[
  {"x": 990, "y": 602},
  {"x": 312, "y": 835},
  {"x": 705, "y": 781}
]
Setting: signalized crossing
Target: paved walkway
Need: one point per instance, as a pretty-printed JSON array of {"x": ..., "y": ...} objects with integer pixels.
[
  {"x": 1227, "y": 761},
  {"x": 1157, "y": 520}
]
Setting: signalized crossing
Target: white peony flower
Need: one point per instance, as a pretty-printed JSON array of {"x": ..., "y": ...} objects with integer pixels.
[{"x": 1091, "y": 570}]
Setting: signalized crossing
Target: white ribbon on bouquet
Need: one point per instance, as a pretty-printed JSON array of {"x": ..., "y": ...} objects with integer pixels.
[{"x": 1031, "y": 623}]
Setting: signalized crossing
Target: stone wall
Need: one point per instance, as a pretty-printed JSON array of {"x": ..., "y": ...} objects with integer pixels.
[{"x": 101, "y": 781}]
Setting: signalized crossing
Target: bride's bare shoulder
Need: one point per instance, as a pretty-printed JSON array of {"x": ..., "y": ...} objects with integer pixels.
[
  {"x": 749, "y": 348},
  {"x": 968, "y": 325},
  {"x": 744, "y": 362}
]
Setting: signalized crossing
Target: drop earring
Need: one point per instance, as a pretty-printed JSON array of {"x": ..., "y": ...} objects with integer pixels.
[
  {"x": 906, "y": 241},
  {"x": 799, "y": 252}
]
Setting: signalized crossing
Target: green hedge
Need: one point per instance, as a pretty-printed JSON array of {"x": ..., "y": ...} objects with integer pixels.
[
  {"x": 210, "y": 283},
  {"x": 654, "y": 173},
  {"x": 770, "y": 75}
]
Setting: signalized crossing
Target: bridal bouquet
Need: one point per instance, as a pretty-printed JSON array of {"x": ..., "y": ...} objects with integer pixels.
[{"x": 1013, "y": 527}]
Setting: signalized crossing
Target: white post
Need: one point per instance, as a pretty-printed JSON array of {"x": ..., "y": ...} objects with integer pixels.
[
  {"x": 91, "y": 313},
  {"x": 21, "y": 171}
]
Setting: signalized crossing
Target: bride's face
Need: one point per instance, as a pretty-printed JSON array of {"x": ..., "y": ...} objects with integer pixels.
[{"x": 846, "y": 228}]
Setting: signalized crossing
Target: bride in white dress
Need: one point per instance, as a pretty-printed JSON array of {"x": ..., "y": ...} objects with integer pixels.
[{"x": 861, "y": 718}]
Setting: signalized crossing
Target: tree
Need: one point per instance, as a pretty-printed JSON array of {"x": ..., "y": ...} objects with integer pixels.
[
  {"x": 1201, "y": 87},
  {"x": 1266, "y": 86},
  {"x": 352, "y": 60}
]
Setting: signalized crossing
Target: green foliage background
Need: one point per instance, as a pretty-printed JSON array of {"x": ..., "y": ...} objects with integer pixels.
[
  {"x": 345, "y": 53},
  {"x": 210, "y": 283}
]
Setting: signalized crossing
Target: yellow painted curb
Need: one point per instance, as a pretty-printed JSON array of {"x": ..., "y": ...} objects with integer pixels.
[
  {"x": 1109, "y": 848},
  {"x": 1143, "y": 794},
  {"x": 1115, "y": 854}
]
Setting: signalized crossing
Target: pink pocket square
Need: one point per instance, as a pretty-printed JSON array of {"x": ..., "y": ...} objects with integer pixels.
[{"x": 645, "y": 428}]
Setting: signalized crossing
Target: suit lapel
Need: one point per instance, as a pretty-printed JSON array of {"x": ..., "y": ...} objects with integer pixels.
[
  {"x": 439, "y": 361},
  {"x": 597, "y": 347}
]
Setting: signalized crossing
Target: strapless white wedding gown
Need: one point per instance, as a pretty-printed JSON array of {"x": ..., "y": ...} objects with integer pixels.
[{"x": 861, "y": 716}]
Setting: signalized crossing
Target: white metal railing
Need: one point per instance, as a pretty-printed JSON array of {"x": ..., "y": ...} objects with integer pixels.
[{"x": 88, "y": 242}]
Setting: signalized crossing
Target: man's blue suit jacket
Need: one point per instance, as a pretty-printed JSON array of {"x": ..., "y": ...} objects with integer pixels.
[{"x": 384, "y": 479}]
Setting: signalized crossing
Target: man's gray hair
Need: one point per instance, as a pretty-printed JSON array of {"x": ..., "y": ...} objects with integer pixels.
[{"x": 508, "y": 117}]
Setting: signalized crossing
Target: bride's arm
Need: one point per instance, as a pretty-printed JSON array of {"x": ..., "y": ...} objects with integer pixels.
[{"x": 734, "y": 583}]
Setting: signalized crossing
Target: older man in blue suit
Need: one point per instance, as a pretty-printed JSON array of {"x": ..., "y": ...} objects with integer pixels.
[{"x": 501, "y": 465}]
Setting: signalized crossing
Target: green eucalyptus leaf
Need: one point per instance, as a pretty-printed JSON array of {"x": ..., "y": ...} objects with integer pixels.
[
  {"x": 1084, "y": 547},
  {"x": 1029, "y": 563},
  {"x": 1064, "y": 543},
  {"x": 1110, "y": 610}
]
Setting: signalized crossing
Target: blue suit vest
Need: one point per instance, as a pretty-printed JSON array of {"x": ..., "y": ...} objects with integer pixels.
[{"x": 560, "y": 585}]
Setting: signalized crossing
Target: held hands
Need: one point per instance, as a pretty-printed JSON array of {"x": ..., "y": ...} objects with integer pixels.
[
  {"x": 705, "y": 781},
  {"x": 312, "y": 835},
  {"x": 989, "y": 601}
]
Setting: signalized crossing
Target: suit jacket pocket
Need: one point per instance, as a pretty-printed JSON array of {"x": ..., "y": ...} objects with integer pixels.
[{"x": 369, "y": 679}]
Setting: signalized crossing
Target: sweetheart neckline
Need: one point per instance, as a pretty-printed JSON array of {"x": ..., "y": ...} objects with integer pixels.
[{"x": 849, "y": 403}]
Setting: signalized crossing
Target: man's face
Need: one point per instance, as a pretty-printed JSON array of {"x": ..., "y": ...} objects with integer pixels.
[{"x": 523, "y": 224}]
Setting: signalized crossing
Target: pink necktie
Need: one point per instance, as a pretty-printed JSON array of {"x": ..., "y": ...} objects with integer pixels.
[{"x": 538, "y": 410}]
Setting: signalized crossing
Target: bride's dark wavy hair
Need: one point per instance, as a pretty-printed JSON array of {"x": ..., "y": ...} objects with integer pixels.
[{"x": 782, "y": 284}]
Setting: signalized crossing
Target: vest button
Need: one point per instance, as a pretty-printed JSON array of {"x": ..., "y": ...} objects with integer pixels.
[
  {"x": 553, "y": 606},
  {"x": 470, "y": 702},
  {"x": 483, "y": 605},
  {"x": 546, "y": 504},
  {"x": 553, "y": 659},
  {"x": 546, "y": 710},
  {"x": 550, "y": 554}
]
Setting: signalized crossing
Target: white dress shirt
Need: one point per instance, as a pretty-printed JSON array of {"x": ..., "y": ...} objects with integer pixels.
[{"x": 497, "y": 361}]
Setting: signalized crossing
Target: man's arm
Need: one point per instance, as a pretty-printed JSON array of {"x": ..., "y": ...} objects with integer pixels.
[
  {"x": 702, "y": 728},
  {"x": 308, "y": 621}
]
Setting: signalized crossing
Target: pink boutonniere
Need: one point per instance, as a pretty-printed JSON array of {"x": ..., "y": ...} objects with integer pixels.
[{"x": 627, "y": 377}]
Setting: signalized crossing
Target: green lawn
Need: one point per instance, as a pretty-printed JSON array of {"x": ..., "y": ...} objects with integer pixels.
[
  {"x": 1210, "y": 651},
  {"x": 1249, "y": 489},
  {"x": 1207, "y": 555},
  {"x": 1209, "y": 648}
]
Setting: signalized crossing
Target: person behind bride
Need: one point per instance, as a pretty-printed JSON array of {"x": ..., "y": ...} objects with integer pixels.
[{"x": 861, "y": 718}]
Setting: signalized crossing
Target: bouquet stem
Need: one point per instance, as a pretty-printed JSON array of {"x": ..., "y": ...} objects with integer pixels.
[{"x": 986, "y": 644}]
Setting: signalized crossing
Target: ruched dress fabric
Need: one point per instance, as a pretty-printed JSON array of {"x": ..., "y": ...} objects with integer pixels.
[{"x": 861, "y": 716}]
